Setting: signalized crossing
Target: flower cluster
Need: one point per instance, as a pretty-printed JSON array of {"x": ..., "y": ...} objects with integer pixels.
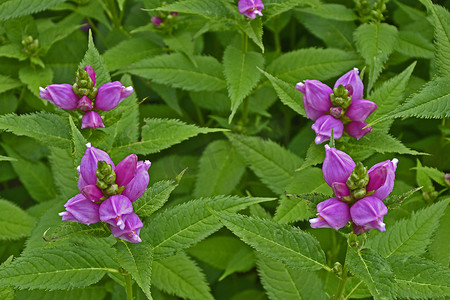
[
  {"x": 84, "y": 96},
  {"x": 250, "y": 8},
  {"x": 339, "y": 109},
  {"x": 163, "y": 18},
  {"x": 359, "y": 193},
  {"x": 107, "y": 192}
]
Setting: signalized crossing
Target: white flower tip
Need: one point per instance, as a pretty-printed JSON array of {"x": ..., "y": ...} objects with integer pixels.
[
  {"x": 136, "y": 238},
  {"x": 327, "y": 147},
  {"x": 120, "y": 224},
  {"x": 356, "y": 69},
  {"x": 62, "y": 214},
  {"x": 78, "y": 168},
  {"x": 88, "y": 145},
  {"x": 314, "y": 221},
  {"x": 148, "y": 163},
  {"x": 129, "y": 89},
  {"x": 258, "y": 12},
  {"x": 395, "y": 162},
  {"x": 42, "y": 89},
  {"x": 299, "y": 85}
]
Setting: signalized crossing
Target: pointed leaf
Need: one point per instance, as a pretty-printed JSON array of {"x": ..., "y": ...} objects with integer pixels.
[
  {"x": 93, "y": 58},
  {"x": 14, "y": 222},
  {"x": 17, "y": 8}
]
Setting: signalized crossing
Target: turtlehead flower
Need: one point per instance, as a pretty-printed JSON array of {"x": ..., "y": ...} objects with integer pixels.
[
  {"x": 331, "y": 213},
  {"x": 107, "y": 192},
  {"x": 368, "y": 213},
  {"x": 250, "y": 8},
  {"x": 340, "y": 109},
  {"x": 156, "y": 21},
  {"x": 337, "y": 165},
  {"x": 84, "y": 96}
]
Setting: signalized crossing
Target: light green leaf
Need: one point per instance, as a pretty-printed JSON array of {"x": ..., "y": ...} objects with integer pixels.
[
  {"x": 169, "y": 95},
  {"x": 282, "y": 282},
  {"x": 373, "y": 270},
  {"x": 17, "y": 8},
  {"x": 418, "y": 278},
  {"x": 183, "y": 225},
  {"x": 356, "y": 289},
  {"x": 273, "y": 164},
  {"x": 254, "y": 30},
  {"x": 413, "y": 44},
  {"x": 35, "y": 78},
  {"x": 242, "y": 260},
  {"x": 45, "y": 127},
  {"x": 433, "y": 173},
  {"x": 179, "y": 275},
  {"x": 288, "y": 244},
  {"x": 6, "y": 158},
  {"x": 78, "y": 143},
  {"x": 241, "y": 73},
  {"x": 410, "y": 236},
  {"x": 182, "y": 42},
  {"x": 89, "y": 293},
  {"x": 220, "y": 170},
  {"x": 177, "y": 71},
  {"x": 93, "y": 58},
  {"x": 312, "y": 63},
  {"x": 218, "y": 9},
  {"x": 274, "y": 8},
  {"x": 7, "y": 83},
  {"x": 137, "y": 260},
  {"x": 375, "y": 42},
  {"x": 439, "y": 248},
  {"x": 336, "y": 12},
  {"x": 67, "y": 230},
  {"x": 14, "y": 222},
  {"x": 60, "y": 268},
  {"x": 64, "y": 172},
  {"x": 160, "y": 134}
]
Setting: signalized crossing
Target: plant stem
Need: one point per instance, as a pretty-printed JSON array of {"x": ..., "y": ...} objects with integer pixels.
[
  {"x": 340, "y": 290},
  {"x": 128, "y": 286}
]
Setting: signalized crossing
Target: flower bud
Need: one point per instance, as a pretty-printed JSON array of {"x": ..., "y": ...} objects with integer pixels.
[
  {"x": 337, "y": 166},
  {"x": 61, "y": 95},
  {"x": 91, "y": 119},
  {"x": 91, "y": 192},
  {"x": 84, "y": 104},
  {"x": 447, "y": 179},
  {"x": 352, "y": 83},
  {"x": 356, "y": 129},
  {"x": 324, "y": 126},
  {"x": 331, "y": 213},
  {"x": 89, "y": 161},
  {"x": 316, "y": 98},
  {"x": 369, "y": 213},
  {"x": 131, "y": 230},
  {"x": 381, "y": 178},
  {"x": 90, "y": 71},
  {"x": 115, "y": 209},
  {"x": 137, "y": 186},
  {"x": 79, "y": 209},
  {"x": 336, "y": 112},
  {"x": 126, "y": 170},
  {"x": 340, "y": 190},
  {"x": 250, "y": 8},
  {"x": 111, "y": 94},
  {"x": 156, "y": 21},
  {"x": 358, "y": 178}
]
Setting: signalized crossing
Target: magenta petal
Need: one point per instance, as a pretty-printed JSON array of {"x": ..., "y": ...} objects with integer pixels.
[
  {"x": 126, "y": 170},
  {"x": 80, "y": 209},
  {"x": 137, "y": 186},
  {"x": 332, "y": 213},
  {"x": 377, "y": 177},
  {"x": 250, "y": 8},
  {"x": 131, "y": 230},
  {"x": 91, "y": 119},
  {"x": 115, "y": 209},
  {"x": 91, "y": 192},
  {"x": 316, "y": 97},
  {"x": 84, "y": 104},
  {"x": 323, "y": 127},
  {"x": 337, "y": 166},
  {"x": 359, "y": 110},
  {"x": 61, "y": 95},
  {"x": 88, "y": 165},
  {"x": 91, "y": 73},
  {"x": 81, "y": 182},
  {"x": 111, "y": 94},
  {"x": 356, "y": 129},
  {"x": 369, "y": 212},
  {"x": 360, "y": 229},
  {"x": 340, "y": 190},
  {"x": 353, "y": 83},
  {"x": 156, "y": 21},
  {"x": 388, "y": 185}
]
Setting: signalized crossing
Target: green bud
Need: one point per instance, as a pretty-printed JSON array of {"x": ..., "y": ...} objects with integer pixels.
[
  {"x": 358, "y": 193},
  {"x": 101, "y": 185},
  {"x": 352, "y": 240},
  {"x": 430, "y": 196},
  {"x": 110, "y": 179},
  {"x": 112, "y": 189},
  {"x": 337, "y": 269}
]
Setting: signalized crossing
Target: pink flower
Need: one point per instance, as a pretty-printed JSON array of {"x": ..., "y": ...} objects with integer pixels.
[
  {"x": 368, "y": 213},
  {"x": 115, "y": 210},
  {"x": 337, "y": 166},
  {"x": 250, "y": 8},
  {"x": 131, "y": 230},
  {"x": 331, "y": 213},
  {"x": 81, "y": 210}
]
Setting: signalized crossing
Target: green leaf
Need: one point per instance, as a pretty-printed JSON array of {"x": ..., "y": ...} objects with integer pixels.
[
  {"x": 67, "y": 230},
  {"x": 59, "y": 268},
  {"x": 312, "y": 63},
  {"x": 218, "y": 9},
  {"x": 183, "y": 225},
  {"x": 155, "y": 197},
  {"x": 64, "y": 172},
  {"x": 137, "y": 260},
  {"x": 254, "y": 30},
  {"x": 89, "y": 293},
  {"x": 179, "y": 275},
  {"x": 169, "y": 95},
  {"x": 375, "y": 42},
  {"x": 182, "y": 42},
  {"x": 418, "y": 278},
  {"x": 282, "y": 282},
  {"x": 35, "y": 78},
  {"x": 7, "y": 83},
  {"x": 78, "y": 143},
  {"x": 178, "y": 71},
  {"x": 242, "y": 260},
  {"x": 355, "y": 288},
  {"x": 159, "y": 134},
  {"x": 336, "y": 12},
  {"x": 17, "y": 8},
  {"x": 241, "y": 73},
  {"x": 439, "y": 248},
  {"x": 274, "y": 8},
  {"x": 6, "y": 158},
  {"x": 288, "y": 244},
  {"x": 93, "y": 58},
  {"x": 220, "y": 170},
  {"x": 413, "y": 44},
  {"x": 287, "y": 93},
  {"x": 373, "y": 270},
  {"x": 273, "y": 164},
  {"x": 410, "y": 236},
  {"x": 14, "y": 222},
  {"x": 57, "y": 32},
  {"x": 433, "y": 173},
  {"x": 45, "y": 127}
]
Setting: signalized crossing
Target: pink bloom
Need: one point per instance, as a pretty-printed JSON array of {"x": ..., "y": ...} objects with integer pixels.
[
  {"x": 79, "y": 209},
  {"x": 89, "y": 162},
  {"x": 337, "y": 166},
  {"x": 324, "y": 126},
  {"x": 61, "y": 95},
  {"x": 381, "y": 178},
  {"x": 156, "y": 21},
  {"x": 250, "y": 8},
  {"x": 91, "y": 119},
  {"x": 131, "y": 230},
  {"x": 115, "y": 210},
  {"x": 331, "y": 213},
  {"x": 111, "y": 94},
  {"x": 137, "y": 186},
  {"x": 369, "y": 213}
]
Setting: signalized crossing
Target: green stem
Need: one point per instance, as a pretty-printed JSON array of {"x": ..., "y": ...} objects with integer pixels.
[
  {"x": 340, "y": 290},
  {"x": 128, "y": 286}
]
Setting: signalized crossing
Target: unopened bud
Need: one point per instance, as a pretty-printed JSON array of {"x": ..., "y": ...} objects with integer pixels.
[
  {"x": 337, "y": 269},
  {"x": 430, "y": 196},
  {"x": 447, "y": 179}
]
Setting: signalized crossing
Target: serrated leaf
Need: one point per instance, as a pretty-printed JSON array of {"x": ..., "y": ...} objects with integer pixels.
[
  {"x": 433, "y": 173},
  {"x": 89, "y": 293},
  {"x": 410, "y": 236},
  {"x": 78, "y": 143},
  {"x": 312, "y": 63},
  {"x": 7, "y": 83},
  {"x": 218, "y": 9},
  {"x": 159, "y": 134},
  {"x": 66, "y": 230},
  {"x": 178, "y": 71},
  {"x": 356, "y": 289},
  {"x": 287, "y": 93},
  {"x": 274, "y": 8},
  {"x": 241, "y": 73},
  {"x": 183, "y": 225},
  {"x": 439, "y": 248},
  {"x": 282, "y": 282},
  {"x": 59, "y": 268},
  {"x": 418, "y": 278},
  {"x": 45, "y": 127},
  {"x": 254, "y": 30},
  {"x": 137, "y": 260},
  {"x": 35, "y": 78},
  {"x": 413, "y": 44},
  {"x": 288, "y": 244},
  {"x": 375, "y": 42},
  {"x": 242, "y": 260},
  {"x": 220, "y": 170},
  {"x": 93, "y": 58},
  {"x": 64, "y": 172},
  {"x": 179, "y": 275},
  {"x": 18, "y": 8},
  {"x": 373, "y": 270},
  {"x": 331, "y": 11},
  {"x": 273, "y": 164},
  {"x": 14, "y": 222}
]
